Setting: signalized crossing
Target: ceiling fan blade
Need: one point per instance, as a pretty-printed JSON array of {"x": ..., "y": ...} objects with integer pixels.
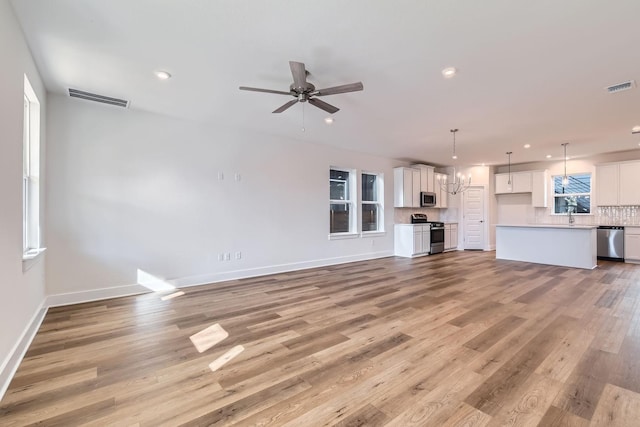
[
  {"x": 299, "y": 74},
  {"x": 255, "y": 89},
  {"x": 285, "y": 106},
  {"x": 323, "y": 105},
  {"x": 351, "y": 87}
]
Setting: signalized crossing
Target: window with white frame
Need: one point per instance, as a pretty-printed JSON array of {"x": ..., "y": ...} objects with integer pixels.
[
  {"x": 342, "y": 196},
  {"x": 372, "y": 202},
  {"x": 574, "y": 195},
  {"x": 30, "y": 172}
]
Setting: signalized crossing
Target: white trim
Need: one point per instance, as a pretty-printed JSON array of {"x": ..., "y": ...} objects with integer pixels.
[
  {"x": 12, "y": 362},
  {"x": 31, "y": 258},
  {"x": 365, "y": 234},
  {"x": 206, "y": 279},
  {"x": 339, "y": 236},
  {"x": 94, "y": 295}
]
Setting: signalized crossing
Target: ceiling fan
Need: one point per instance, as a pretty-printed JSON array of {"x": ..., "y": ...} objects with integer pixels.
[{"x": 304, "y": 91}]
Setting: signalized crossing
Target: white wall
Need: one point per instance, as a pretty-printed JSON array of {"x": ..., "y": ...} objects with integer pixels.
[
  {"x": 22, "y": 292},
  {"x": 130, "y": 190}
]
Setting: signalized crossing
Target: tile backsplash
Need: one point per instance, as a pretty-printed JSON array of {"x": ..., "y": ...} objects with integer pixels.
[{"x": 403, "y": 215}]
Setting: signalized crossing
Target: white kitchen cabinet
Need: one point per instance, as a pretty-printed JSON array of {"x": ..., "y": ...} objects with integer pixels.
[
  {"x": 539, "y": 183},
  {"x": 441, "y": 195},
  {"x": 502, "y": 183},
  {"x": 632, "y": 244},
  {"x": 411, "y": 240},
  {"x": 629, "y": 184},
  {"x": 426, "y": 177},
  {"x": 406, "y": 188},
  {"x": 520, "y": 183},
  {"x": 607, "y": 188},
  {"x": 450, "y": 236}
]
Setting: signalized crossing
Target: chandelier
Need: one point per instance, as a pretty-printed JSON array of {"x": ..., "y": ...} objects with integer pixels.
[{"x": 459, "y": 182}]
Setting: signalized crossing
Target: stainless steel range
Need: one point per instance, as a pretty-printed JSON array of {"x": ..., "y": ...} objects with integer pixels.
[{"x": 437, "y": 231}]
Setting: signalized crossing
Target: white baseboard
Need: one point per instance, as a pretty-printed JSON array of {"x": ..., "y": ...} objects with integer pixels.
[
  {"x": 10, "y": 364},
  {"x": 205, "y": 279},
  {"x": 94, "y": 295}
]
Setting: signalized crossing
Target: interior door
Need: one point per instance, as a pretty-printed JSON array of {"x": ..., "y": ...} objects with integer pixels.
[{"x": 474, "y": 235}]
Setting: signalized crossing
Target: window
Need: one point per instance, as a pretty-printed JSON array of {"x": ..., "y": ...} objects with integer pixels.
[
  {"x": 30, "y": 173},
  {"x": 372, "y": 197},
  {"x": 575, "y": 196},
  {"x": 342, "y": 191}
]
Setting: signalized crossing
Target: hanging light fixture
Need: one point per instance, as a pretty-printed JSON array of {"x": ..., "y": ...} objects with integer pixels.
[
  {"x": 509, "y": 153},
  {"x": 459, "y": 183},
  {"x": 565, "y": 179}
]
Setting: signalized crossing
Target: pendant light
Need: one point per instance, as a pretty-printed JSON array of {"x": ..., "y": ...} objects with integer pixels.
[
  {"x": 459, "y": 183},
  {"x": 565, "y": 179},
  {"x": 509, "y": 153}
]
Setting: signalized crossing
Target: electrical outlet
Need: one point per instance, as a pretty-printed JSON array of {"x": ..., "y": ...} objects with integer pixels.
[
  {"x": 238, "y": 255},
  {"x": 238, "y": 177},
  {"x": 227, "y": 256},
  {"x": 220, "y": 257},
  {"x": 220, "y": 176}
]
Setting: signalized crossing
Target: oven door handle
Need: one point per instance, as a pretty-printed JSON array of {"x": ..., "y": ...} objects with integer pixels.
[{"x": 437, "y": 228}]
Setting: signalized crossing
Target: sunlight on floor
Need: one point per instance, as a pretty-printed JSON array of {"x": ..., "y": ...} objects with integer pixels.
[{"x": 153, "y": 283}]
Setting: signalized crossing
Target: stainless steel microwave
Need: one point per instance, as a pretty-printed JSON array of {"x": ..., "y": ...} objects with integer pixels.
[{"x": 427, "y": 199}]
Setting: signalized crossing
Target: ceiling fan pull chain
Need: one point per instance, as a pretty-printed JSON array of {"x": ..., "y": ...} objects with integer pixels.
[{"x": 303, "y": 129}]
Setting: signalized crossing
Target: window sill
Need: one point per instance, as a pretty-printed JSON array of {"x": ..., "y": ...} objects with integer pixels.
[
  {"x": 340, "y": 236},
  {"x": 374, "y": 233},
  {"x": 31, "y": 257}
]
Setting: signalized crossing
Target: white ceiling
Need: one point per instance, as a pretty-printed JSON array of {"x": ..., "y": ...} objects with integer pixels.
[{"x": 529, "y": 71}]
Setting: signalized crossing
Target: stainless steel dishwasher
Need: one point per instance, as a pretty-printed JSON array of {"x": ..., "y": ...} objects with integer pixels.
[{"x": 611, "y": 242}]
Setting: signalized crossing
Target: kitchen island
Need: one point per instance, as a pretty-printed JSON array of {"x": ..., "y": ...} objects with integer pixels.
[{"x": 563, "y": 245}]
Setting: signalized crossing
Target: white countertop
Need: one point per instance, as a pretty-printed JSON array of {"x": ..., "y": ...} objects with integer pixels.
[{"x": 579, "y": 227}]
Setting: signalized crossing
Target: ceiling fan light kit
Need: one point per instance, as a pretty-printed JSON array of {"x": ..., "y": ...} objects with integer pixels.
[{"x": 304, "y": 91}]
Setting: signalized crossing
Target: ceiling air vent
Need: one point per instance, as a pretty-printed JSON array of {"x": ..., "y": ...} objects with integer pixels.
[
  {"x": 75, "y": 93},
  {"x": 621, "y": 86}
]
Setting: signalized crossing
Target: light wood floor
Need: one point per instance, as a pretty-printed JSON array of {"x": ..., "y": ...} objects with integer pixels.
[{"x": 453, "y": 339}]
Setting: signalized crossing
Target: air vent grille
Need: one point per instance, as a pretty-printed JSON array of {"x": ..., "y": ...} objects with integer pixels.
[
  {"x": 621, "y": 86},
  {"x": 75, "y": 93}
]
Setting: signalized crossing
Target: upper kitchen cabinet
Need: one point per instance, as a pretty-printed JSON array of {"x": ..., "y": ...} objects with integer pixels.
[
  {"x": 406, "y": 188},
  {"x": 629, "y": 185},
  {"x": 617, "y": 184},
  {"x": 520, "y": 183},
  {"x": 426, "y": 177},
  {"x": 607, "y": 188},
  {"x": 539, "y": 183},
  {"x": 441, "y": 194},
  {"x": 534, "y": 182}
]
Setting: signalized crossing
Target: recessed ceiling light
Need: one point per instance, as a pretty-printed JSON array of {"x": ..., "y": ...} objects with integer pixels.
[
  {"x": 162, "y": 75},
  {"x": 527, "y": 145},
  {"x": 635, "y": 129},
  {"x": 328, "y": 120},
  {"x": 449, "y": 72},
  {"x": 454, "y": 157},
  {"x": 548, "y": 156}
]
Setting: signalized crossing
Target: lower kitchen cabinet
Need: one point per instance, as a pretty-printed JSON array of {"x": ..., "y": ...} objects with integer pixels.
[
  {"x": 632, "y": 244},
  {"x": 412, "y": 240},
  {"x": 450, "y": 236}
]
